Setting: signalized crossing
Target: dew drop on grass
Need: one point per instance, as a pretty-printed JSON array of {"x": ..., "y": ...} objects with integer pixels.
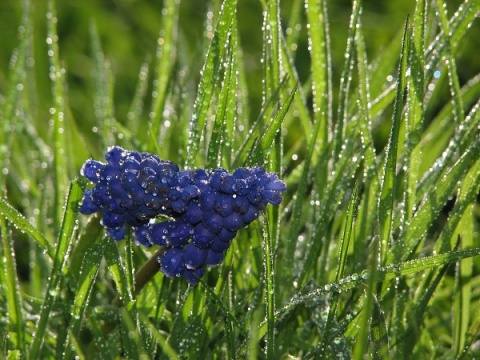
[{"x": 365, "y": 274}]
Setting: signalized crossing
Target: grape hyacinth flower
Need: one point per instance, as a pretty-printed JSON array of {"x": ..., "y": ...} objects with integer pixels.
[{"x": 205, "y": 209}]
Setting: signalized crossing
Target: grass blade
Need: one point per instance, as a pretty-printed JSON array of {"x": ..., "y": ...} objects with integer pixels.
[
  {"x": 58, "y": 129},
  {"x": 268, "y": 262},
  {"x": 414, "y": 125},
  {"x": 118, "y": 271},
  {"x": 223, "y": 127},
  {"x": 59, "y": 264},
  {"x": 341, "y": 263},
  {"x": 166, "y": 53},
  {"x": 12, "y": 214},
  {"x": 136, "y": 107},
  {"x": 263, "y": 147},
  {"x": 319, "y": 51},
  {"x": 434, "y": 201},
  {"x": 388, "y": 183},
  {"x": 103, "y": 90},
  {"x": 209, "y": 78},
  {"x": 10, "y": 283},
  {"x": 345, "y": 80},
  {"x": 88, "y": 273}
]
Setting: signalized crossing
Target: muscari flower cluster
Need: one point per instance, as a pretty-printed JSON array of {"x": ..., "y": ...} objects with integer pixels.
[{"x": 204, "y": 209}]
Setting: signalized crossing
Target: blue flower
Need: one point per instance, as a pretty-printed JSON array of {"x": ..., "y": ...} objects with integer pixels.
[{"x": 205, "y": 209}]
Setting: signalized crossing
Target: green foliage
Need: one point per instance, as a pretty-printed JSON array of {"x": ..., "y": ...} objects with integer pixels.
[{"x": 372, "y": 121}]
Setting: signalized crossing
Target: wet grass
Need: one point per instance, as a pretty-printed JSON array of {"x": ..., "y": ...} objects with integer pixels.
[{"x": 375, "y": 248}]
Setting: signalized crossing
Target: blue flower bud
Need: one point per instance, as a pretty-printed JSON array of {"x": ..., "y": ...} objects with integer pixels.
[
  {"x": 193, "y": 214},
  {"x": 193, "y": 276},
  {"x": 233, "y": 222},
  {"x": 226, "y": 235},
  {"x": 202, "y": 238},
  {"x": 193, "y": 257},
  {"x": 171, "y": 262},
  {"x": 214, "y": 258},
  {"x": 88, "y": 206},
  {"x": 212, "y": 221},
  {"x": 117, "y": 233},
  {"x": 91, "y": 170},
  {"x": 112, "y": 220},
  {"x": 250, "y": 215},
  {"x": 227, "y": 184},
  {"x": 219, "y": 245},
  {"x": 223, "y": 205},
  {"x": 205, "y": 209},
  {"x": 157, "y": 233},
  {"x": 114, "y": 155},
  {"x": 142, "y": 235},
  {"x": 240, "y": 204},
  {"x": 207, "y": 199},
  {"x": 178, "y": 233}
]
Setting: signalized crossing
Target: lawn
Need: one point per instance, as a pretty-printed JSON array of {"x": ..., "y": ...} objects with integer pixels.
[{"x": 365, "y": 116}]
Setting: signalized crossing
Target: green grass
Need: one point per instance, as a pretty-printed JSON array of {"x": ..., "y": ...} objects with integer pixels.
[{"x": 375, "y": 248}]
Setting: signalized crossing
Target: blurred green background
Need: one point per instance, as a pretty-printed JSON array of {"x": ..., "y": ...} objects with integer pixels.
[{"x": 129, "y": 30}]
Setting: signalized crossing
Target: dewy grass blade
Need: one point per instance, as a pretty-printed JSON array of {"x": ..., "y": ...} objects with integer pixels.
[
  {"x": 59, "y": 265},
  {"x": 435, "y": 200},
  {"x": 341, "y": 263},
  {"x": 463, "y": 285},
  {"x": 232, "y": 105},
  {"x": 347, "y": 234},
  {"x": 382, "y": 274},
  {"x": 115, "y": 265},
  {"x": 246, "y": 149},
  {"x": 103, "y": 89},
  {"x": 9, "y": 281},
  {"x": 288, "y": 50},
  {"x": 365, "y": 105},
  {"x": 460, "y": 22},
  {"x": 219, "y": 131},
  {"x": 58, "y": 130},
  {"x": 129, "y": 266},
  {"x": 210, "y": 73},
  {"x": 231, "y": 323},
  {"x": 160, "y": 339},
  {"x": 367, "y": 207},
  {"x": 166, "y": 52},
  {"x": 451, "y": 65},
  {"x": 136, "y": 107},
  {"x": 332, "y": 195},
  {"x": 12, "y": 214},
  {"x": 434, "y": 138},
  {"x": 88, "y": 273},
  {"x": 465, "y": 197},
  {"x": 364, "y": 319},
  {"x": 7, "y": 106},
  {"x": 270, "y": 290},
  {"x": 264, "y": 146},
  {"x": 388, "y": 183},
  {"x": 415, "y": 318},
  {"x": 271, "y": 38},
  {"x": 345, "y": 80},
  {"x": 415, "y": 116},
  {"x": 92, "y": 232},
  {"x": 390, "y": 272},
  {"x": 79, "y": 355},
  {"x": 132, "y": 344},
  {"x": 320, "y": 52}
]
